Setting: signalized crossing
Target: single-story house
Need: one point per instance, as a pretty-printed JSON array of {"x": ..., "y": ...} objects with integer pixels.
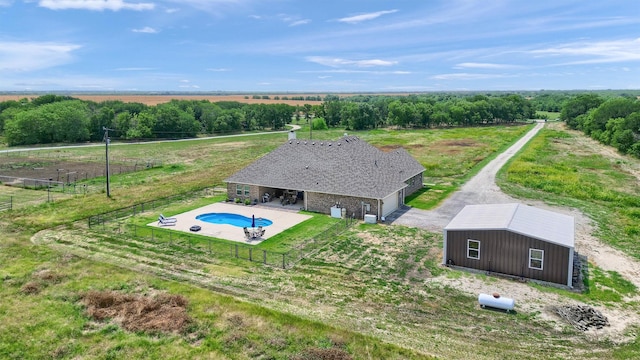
[
  {"x": 319, "y": 175},
  {"x": 512, "y": 239}
]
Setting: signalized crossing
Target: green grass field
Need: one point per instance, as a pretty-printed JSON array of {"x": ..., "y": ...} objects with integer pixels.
[{"x": 370, "y": 292}]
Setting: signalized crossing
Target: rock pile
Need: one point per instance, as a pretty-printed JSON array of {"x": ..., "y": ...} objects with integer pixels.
[{"x": 582, "y": 317}]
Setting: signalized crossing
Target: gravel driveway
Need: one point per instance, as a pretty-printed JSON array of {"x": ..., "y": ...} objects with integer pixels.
[{"x": 481, "y": 189}]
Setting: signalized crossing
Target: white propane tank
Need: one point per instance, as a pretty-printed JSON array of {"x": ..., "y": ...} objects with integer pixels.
[{"x": 496, "y": 301}]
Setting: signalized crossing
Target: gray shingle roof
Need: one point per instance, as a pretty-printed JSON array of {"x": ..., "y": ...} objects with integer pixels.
[
  {"x": 522, "y": 219},
  {"x": 348, "y": 167}
]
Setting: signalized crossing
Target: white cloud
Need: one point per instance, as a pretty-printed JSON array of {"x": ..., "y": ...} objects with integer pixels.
[
  {"x": 135, "y": 69},
  {"x": 146, "y": 30},
  {"x": 466, "y": 76},
  {"x": 95, "y": 5},
  {"x": 30, "y": 56},
  {"x": 365, "y": 17},
  {"x": 473, "y": 65},
  {"x": 218, "y": 69},
  {"x": 6, "y": 2},
  {"x": 300, "y": 22},
  {"x": 595, "y": 52},
  {"x": 292, "y": 20},
  {"x": 337, "y": 62}
]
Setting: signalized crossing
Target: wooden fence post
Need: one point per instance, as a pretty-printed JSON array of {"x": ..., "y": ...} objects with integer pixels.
[
  {"x": 283, "y": 261},
  {"x": 264, "y": 256},
  {"x": 236, "y": 250},
  {"x": 250, "y": 254}
]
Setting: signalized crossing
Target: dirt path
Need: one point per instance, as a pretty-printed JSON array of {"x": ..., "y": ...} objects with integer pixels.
[{"x": 482, "y": 189}]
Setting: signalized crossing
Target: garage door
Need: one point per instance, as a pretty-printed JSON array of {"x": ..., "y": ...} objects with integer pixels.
[{"x": 389, "y": 204}]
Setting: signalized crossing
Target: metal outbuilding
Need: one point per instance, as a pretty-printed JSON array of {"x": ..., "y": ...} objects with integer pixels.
[{"x": 512, "y": 239}]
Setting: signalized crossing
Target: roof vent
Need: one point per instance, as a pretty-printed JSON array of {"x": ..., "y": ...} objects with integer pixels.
[
  {"x": 305, "y": 143},
  {"x": 297, "y": 142},
  {"x": 313, "y": 143},
  {"x": 329, "y": 144}
]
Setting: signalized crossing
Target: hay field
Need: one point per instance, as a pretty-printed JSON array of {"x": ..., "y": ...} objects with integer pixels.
[{"x": 151, "y": 99}]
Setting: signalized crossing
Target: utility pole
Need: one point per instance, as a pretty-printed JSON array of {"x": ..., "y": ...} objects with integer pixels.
[{"x": 106, "y": 151}]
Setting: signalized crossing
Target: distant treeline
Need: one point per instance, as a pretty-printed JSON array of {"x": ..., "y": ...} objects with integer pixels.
[{"x": 612, "y": 119}]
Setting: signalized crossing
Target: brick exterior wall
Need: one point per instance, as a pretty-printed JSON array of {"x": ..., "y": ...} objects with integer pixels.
[
  {"x": 415, "y": 184},
  {"x": 322, "y": 203},
  {"x": 253, "y": 194}
]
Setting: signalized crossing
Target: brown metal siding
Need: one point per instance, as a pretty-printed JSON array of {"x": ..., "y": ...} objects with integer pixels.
[{"x": 508, "y": 253}]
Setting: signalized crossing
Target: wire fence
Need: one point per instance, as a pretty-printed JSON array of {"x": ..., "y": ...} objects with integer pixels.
[
  {"x": 6, "y": 203},
  {"x": 112, "y": 223},
  {"x": 192, "y": 243},
  {"x": 314, "y": 244},
  {"x": 55, "y": 181},
  {"x": 34, "y": 184},
  {"x": 136, "y": 209}
]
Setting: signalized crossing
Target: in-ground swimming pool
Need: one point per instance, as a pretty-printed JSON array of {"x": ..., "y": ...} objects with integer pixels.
[{"x": 233, "y": 219}]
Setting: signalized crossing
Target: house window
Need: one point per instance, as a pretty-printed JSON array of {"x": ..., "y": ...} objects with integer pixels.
[
  {"x": 473, "y": 249},
  {"x": 536, "y": 259},
  {"x": 243, "y": 190}
]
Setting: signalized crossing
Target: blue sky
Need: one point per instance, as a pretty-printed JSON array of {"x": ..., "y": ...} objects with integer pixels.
[{"x": 318, "y": 46}]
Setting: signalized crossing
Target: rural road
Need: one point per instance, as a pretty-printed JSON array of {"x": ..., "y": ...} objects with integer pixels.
[
  {"x": 481, "y": 189},
  {"x": 293, "y": 128}
]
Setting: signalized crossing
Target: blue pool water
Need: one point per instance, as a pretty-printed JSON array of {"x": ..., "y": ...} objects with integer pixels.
[{"x": 232, "y": 219}]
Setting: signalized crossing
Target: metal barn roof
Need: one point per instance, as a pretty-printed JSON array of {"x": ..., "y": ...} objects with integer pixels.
[{"x": 522, "y": 219}]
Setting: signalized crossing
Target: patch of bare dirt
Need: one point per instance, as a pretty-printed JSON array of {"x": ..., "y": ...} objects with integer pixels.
[
  {"x": 163, "y": 312},
  {"x": 452, "y": 146},
  {"x": 389, "y": 148},
  {"x": 323, "y": 354},
  {"x": 530, "y": 300}
]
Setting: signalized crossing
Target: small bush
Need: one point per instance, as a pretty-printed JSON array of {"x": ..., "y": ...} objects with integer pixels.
[{"x": 319, "y": 124}]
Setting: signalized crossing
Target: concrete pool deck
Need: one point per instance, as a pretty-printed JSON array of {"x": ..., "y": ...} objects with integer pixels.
[{"x": 282, "y": 220}]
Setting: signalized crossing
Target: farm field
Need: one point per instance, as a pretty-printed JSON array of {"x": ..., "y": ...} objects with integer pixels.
[
  {"x": 375, "y": 291},
  {"x": 150, "y": 99}
]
